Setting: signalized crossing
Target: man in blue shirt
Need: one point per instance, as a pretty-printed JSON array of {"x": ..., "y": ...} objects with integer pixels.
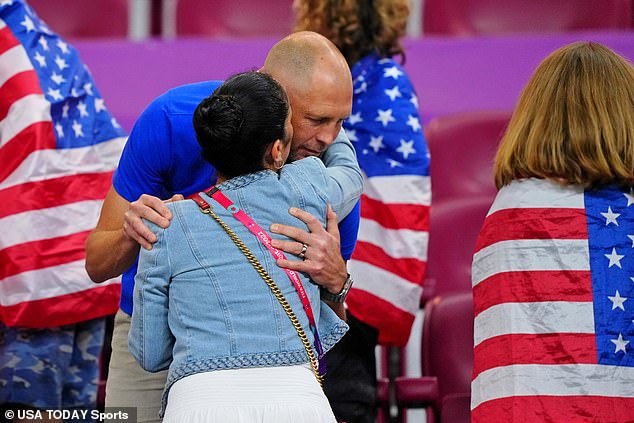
[{"x": 162, "y": 160}]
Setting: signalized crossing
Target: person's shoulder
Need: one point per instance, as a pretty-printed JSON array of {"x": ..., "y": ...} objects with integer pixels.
[
  {"x": 307, "y": 164},
  {"x": 205, "y": 88},
  {"x": 183, "y": 212},
  {"x": 185, "y": 98},
  {"x": 309, "y": 171}
]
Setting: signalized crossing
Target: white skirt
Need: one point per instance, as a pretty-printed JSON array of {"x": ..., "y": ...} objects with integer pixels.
[{"x": 285, "y": 394}]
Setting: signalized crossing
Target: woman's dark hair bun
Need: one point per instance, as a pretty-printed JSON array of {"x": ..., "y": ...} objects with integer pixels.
[
  {"x": 236, "y": 124},
  {"x": 223, "y": 117}
]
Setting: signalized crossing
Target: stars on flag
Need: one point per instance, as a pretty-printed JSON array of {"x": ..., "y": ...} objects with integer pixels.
[
  {"x": 376, "y": 143},
  {"x": 57, "y": 78},
  {"x": 360, "y": 86},
  {"x": 63, "y": 46},
  {"x": 385, "y": 117},
  {"x": 79, "y": 132},
  {"x": 414, "y": 122},
  {"x": 392, "y": 72},
  {"x": 414, "y": 100},
  {"x": 384, "y": 125},
  {"x": 393, "y": 93},
  {"x": 66, "y": 82},
  {"x": 81, "y": 106},
  {"x": 354, "y": 118},
  {"x": 28, "y": 24},
  {"x": 41, "y": 60},
  {"x": 615, "y": 259},
  {"x": 42, "y": 41},
  {"x": 617, "y": 301},
  {"x": 406, "y": 148},
  {"x": 620, "y": 343},
  {"x": 611, "y": 232},
  {"x": 393, "y": 163},
  {"x": 99, "y": 105},
  {"x": 610, "y": 217},
  {"x": 55, "y": 94},
  {"x": 61, "y": 63},
  {"x": 630, "y": 197}
]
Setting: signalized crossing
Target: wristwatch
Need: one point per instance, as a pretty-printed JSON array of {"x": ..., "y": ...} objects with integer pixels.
[{"x": 341, "y": 296}]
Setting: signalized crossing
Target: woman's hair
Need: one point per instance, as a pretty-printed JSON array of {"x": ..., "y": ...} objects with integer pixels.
[
  {"x": 574, "y": 121},
  {"x": 357, "y": 27},
  {"x": 236, "y": 124}
]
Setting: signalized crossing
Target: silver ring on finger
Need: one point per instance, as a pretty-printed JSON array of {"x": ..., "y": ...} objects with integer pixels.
[{"x": 302, "y": 254}]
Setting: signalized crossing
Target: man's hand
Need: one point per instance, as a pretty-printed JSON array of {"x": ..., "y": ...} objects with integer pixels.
[
  {"x": 152, "y": 209},
  {"x": 322, "y": 257},
  {"x": 113, "y": 246}
]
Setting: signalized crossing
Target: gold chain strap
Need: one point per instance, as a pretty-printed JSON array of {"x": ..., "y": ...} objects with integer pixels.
[{"x": 274, "y": 288}]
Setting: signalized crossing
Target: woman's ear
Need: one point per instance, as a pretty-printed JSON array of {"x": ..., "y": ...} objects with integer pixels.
[{"x": 277, "y": 154}]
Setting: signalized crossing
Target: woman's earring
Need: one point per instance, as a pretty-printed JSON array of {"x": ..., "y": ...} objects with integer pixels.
[{"x": 277, "y": 164}]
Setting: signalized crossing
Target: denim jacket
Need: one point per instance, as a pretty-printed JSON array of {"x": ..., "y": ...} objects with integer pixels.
[{"x": 201, "y": 306}]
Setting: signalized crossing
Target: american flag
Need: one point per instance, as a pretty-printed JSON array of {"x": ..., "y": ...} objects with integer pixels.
[
  {"x": 58, "y": 147},
  {"x": 553, "y": 283},
  {"x": 388, "y": 263}
]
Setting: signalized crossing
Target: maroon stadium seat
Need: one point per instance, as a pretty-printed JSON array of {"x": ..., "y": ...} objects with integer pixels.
[
  {"x": 488, "y": 17},
  {"x": 462, "y": 148},
  {"x": 447, "y": 362},
  {"x": 234, "y": 18},
  {"x": 84, "y": 19},
  {"x": 454, "y": 228}
]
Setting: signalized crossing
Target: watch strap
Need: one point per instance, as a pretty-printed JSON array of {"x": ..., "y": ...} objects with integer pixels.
[{"x": 341, "y": 296}]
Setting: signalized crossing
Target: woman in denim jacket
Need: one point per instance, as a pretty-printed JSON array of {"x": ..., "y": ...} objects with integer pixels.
[{"x": 202, "y": 310}]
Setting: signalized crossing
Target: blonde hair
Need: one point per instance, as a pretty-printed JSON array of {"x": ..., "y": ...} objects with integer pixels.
[
  {"x": 356, "y": 27},
  {"x": 574, "y": 121}
]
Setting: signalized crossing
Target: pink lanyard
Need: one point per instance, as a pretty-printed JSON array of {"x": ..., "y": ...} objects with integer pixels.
[{"x": 260, "y": 234}]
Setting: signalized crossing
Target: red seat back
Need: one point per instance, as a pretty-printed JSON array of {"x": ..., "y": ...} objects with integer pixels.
[
  {"x": 454, "y": 228},
  {"x": 486, "y": 17},
  {"x": 462, "y": 148},
  {"x": 234, "y": 18},
  {"x": 447, "y": 349},
  {"x": 84, "y": 19}
]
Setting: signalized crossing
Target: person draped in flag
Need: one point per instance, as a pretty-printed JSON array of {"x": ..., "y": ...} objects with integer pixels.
[
  {"x": 59, "y": 146},
  {"x": 553, "y": 269},
  {"x": 385, "y": 129},
  {"x": 162, "y": 160}
]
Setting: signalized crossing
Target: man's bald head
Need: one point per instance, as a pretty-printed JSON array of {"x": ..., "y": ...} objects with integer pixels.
[
  {"x": 295, "y": 60},
  {"x": 317, "y": 80}
]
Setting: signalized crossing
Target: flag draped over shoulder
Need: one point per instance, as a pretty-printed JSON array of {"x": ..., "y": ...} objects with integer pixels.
[
  {"x": 553, "y": 284},
  {"x": 388, "y": 263},
  {"x": 58, "y": 148}
]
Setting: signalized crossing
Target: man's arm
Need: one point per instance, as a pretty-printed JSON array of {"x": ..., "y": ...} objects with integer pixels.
[{"x": 112, "y": 247}]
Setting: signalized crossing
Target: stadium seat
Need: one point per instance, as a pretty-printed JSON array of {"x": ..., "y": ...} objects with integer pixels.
[
  {"x": 462, "y": 148},
  {"x": 234, "y": 18},
  {"x": 84, "y": 19},
  {"x": 454, "y": 228},
  {"x": 446, "y": 361},
  {"x": 491, "y": 17}
]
